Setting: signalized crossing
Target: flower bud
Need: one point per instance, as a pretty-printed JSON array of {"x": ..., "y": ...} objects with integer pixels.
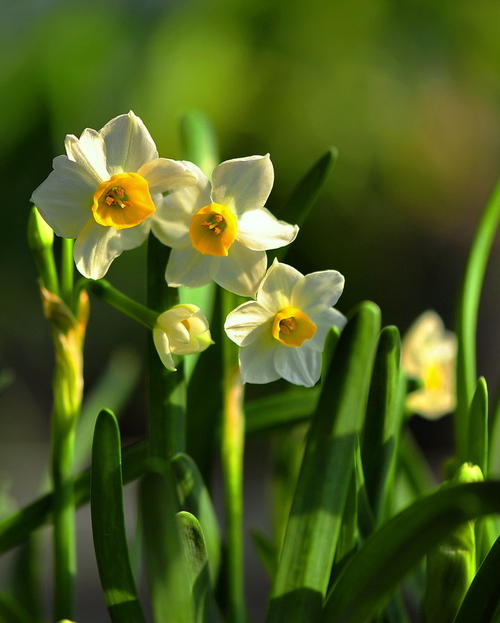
[
  {"x": 452, "y": 565},
  {"x": 40, "y": 235},
  {"x": 181, "y": 330}
]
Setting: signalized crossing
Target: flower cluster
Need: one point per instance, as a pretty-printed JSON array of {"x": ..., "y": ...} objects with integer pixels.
[{"x": 112, "y": 188}]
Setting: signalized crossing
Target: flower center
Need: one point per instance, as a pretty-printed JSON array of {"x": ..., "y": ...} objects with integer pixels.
[
  {"x": 433, "y": 377},
  {"x": 213, "y": 229},
  {"x": 122, "y": 201},
  {"x": 292, "y": 327}
]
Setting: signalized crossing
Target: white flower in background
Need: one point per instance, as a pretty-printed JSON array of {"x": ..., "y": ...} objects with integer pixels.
[
  {"x": 220, "y": 231},
  {"x": 105, "y": 191},
  {"x": 181, "y": 330},
  {"x": 282, "y": 333},
  {"x": 429, "y": 353}
]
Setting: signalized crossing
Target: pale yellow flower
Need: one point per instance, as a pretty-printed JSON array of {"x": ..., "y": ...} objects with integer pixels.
[
  {"x": 181, "y": 330},
  {"x": 429, "y": 353},
  {"x": 282, "y": 333}
]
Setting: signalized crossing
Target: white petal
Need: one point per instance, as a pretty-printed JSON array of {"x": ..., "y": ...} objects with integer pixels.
[
  {"x": 301, "y": 366},
  {"x": 243, "y": 183},
  {"x": 257, "y": 361},
  {"x": 318, "y": 290},
  {"x": 275, "y": 291},
  {"x": 89, "y": 152},
  {"x": 165, "y": 175},
  {"x": 97, "y": 246},
  {"x": 128, "y": 144},
  {"x": 187, "y": 267},
  {"x": 65, "y": 197},
  {"x": 245, "y": 323},
  {"x": 162, "y": 345},
  {"x": 259, "y": 230},
  {"x": 173, "y": 217},
  {"x": 242, "y": 270},
  {"x": 324, "y": 321}
]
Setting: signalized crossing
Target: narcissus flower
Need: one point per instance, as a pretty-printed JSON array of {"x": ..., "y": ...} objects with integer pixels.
[
  {"x": 105, "y": 191},
  {"x": 282, "y": 333},
  {"x": 181, "y": 330},
  {"x": 220, "y": 231},
  {"x": 429, "y": 353}
]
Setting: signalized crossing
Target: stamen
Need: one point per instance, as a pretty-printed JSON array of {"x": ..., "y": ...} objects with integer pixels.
[
  {"x": 116, "y": 197},
  {"x": 287, "y": 325},
  {"x": 215, "y": 223}
]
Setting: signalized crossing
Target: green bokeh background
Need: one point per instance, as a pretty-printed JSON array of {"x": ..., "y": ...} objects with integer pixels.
[{"x": 408, "y": 91}]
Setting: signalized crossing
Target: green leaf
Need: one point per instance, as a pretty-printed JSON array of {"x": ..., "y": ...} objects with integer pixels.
[
  {"x": 15, "y": 529},
  {"x": 384, "y": 416},
  {"x": 166, "y": 566},
  {"x": 315, "y": 517},
  {"x": 277, "y": 410},
  {"x": 199, "y": 141},
  {"x": 467, "y": 317},
  {"x": 204, "y": 400},
  {"x": 478, "y": 427},
  {"x": 108, "y": 526},
  {"x": 12, "y": 612},
  {"x": 305, "y": 195},
  {"x": 267, "y": 552},
  {"x": 494, "y": 436},
  {"x": 193, "y": 496},
  {"x": 193, "y": 543},
  {"x": 414, "y": 467},
  {"x": 481, "y": 604},
  {"x": 374, "y": 572},
  {"x": 112, "y": 391}
]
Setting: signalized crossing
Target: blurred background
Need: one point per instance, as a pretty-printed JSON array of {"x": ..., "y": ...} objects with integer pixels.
[{"x": 408, "y": 91}]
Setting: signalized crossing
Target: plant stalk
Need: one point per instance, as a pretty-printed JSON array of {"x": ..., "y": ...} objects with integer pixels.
[{"x": 233, "y": 442}]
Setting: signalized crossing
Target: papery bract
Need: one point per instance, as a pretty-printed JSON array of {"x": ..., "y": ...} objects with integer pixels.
[
  {"x": 282, "y": 333},
  {"x": 220, "y": 231}
]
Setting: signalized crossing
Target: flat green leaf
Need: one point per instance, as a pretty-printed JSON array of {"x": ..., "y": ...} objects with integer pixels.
[
  {"x": 12, "y": 612},
  {"x": 266, "y": 551},
  {"x": 204, "y": 399},
  {"x": 166, "y": 567},
  {"x": 467, "y": 317},
  {"x": 112, "y": 391},
  {"x": 481, "y": 604},
  {"x": 381, "y": 563},
  {"x": 315, "y": 518},
  {"x": 305, "y": 195},
  {"x": 193, "y": 496},
  {"x": 108, "y": 526},
  {"x": 193, "y": 543},
  {"x": 478, "y": 427},
  {"x": 290, "y": 406},
  {"x": 199, "y": 141},
  {"x": 384, "y": 416},
  {"x": 15, "y": 529}
]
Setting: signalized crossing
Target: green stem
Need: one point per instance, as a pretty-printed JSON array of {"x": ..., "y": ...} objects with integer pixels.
[
  {"x": 233, "y": 442},
  {"x": 467, "y": 318},
  {"x": 67, "y": 271},
  {"x": 64, "y": 523},
  {"x": 105, "y": 291},
  {"x": 41, "y": 241},
  {"x": 167, "y": 399}
]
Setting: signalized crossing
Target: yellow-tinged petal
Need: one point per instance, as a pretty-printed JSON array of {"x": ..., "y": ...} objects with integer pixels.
[
  {"x": 213, "y": 229},
  {"x": 292, "y": 327},
  {"x": 123, "y": 201}
]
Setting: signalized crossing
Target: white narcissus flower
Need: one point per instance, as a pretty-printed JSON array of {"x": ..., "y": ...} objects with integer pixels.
[
  {"x": 429, "y": 353},
  {"x": 181, "y": 330},
  {"x": 105, "y": 191},
  {"x": 220, "y": 231},
  {"x": 282, "y": 333}
]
